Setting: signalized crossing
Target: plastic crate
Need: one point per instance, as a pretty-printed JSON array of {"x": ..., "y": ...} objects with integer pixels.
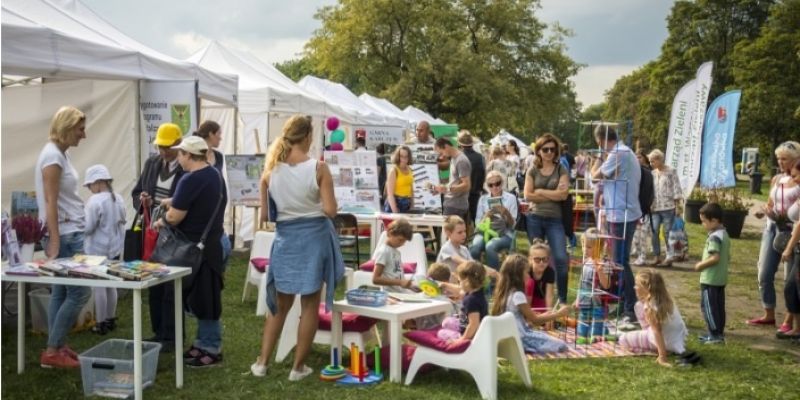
[
  {"x": 107, "y": 369},
  {"x": 366, "y": 297}
]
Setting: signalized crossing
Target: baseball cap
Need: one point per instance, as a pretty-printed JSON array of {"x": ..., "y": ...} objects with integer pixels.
[
  {"x": 95, "y": 173},
  {"x": 193, "y": 144},
  {"x": 168, "y": 133}
]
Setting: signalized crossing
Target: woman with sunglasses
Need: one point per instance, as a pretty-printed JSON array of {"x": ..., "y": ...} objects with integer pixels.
[
  {"x": 546, "y": 187},
  {"x": 782, "y": 194},
  {"x": 500, "y": 207}
]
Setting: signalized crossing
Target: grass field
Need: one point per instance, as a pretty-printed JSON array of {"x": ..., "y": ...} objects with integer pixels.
[{"x": 751, "y": 365}]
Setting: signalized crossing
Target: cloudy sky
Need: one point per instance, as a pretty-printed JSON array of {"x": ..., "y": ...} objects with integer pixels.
[{"x": 611, "y": 37}]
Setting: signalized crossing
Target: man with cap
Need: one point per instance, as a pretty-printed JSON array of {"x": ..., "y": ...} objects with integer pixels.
[
  {"x": 478, "y": 174},
  {"x": 158, "y": 180},
  {"x": 456, "y": 192}
]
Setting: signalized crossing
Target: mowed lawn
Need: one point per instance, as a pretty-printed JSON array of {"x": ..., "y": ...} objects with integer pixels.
[{"x": 752, "y": 364}]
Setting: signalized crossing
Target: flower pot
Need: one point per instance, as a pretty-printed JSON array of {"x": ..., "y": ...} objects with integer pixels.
[
  {"x": 693, "y": 210},
  {"x": 26, "y": 252},
  {"x": 734, "y": 222}
]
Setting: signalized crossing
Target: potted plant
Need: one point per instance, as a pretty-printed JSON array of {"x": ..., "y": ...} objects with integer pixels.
[
  {"x": 734, "y": 210},
  {"x": 697, "y": 199},
  {"x": 29, "y": 231}
]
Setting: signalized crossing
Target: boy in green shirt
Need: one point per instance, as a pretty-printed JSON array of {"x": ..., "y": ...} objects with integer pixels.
[{"x": 714, "y": 273}]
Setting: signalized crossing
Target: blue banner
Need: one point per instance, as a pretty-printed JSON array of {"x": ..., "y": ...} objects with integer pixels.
[{"x": 716, "y": 169}]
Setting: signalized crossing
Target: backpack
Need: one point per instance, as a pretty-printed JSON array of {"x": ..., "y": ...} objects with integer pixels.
[{"x": 647, "y": 192}]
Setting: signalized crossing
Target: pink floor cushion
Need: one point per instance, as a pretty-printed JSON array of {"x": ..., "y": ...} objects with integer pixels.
[
  {"x": 429, "y": 338},
  {"x": 260, "y": 263},
  {"x": 408, "y": 267},
  {"x": 350, "y": 322}
]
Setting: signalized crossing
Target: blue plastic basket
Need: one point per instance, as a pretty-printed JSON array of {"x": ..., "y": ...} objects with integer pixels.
[{"x": 366, "y": 297}]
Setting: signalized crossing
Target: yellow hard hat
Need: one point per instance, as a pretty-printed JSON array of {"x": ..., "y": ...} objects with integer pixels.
[{"x": 168, "y": 133}]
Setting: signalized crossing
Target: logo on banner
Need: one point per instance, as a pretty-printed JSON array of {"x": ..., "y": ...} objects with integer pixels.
[
  {"x": 181, "y": 117},
  {"x": 722, "y": 114}
]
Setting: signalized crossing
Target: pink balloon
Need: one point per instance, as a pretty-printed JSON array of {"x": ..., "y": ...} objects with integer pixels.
[
  {"x": 336, "y": 147},
  {"x": 332, "y": 123}
]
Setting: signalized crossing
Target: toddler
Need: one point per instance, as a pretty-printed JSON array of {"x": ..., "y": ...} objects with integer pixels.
[
  {"x": 596, "y": 277},
  {"x": 540, "y": 284}
]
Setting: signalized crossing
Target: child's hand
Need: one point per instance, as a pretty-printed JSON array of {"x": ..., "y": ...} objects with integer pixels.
[
  {"x": 663, "y": 361},
  {"x": 563, "y": 311},
  {"x": 406, "y": 283},
  {"x": 697, "y": 267}
]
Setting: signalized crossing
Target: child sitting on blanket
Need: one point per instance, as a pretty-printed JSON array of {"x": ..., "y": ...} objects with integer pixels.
[
  {"x": 509, "y": 295},
  {"x": 474, "y": 307},
  {"x": 540, "y": 282},
  {"x": 663, "y": 329},
  {"x": 596, "y": 279}
]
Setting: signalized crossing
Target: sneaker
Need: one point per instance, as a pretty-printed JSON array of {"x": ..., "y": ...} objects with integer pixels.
[
  {"x": 69, "y": 352},
  {"x": 715, "y": 340},
  {"x": 785, "y": 328},
  {"x": 258, "y": 369},
  {"x": 205, "y": 359},
  {"x": 58, "y": 359},
  {"x": 640, "y": 261},
  {"x": 703, "y": 338},
  {"x": 295, "y": 376},
  {"x": 761, "y": 321},
  {"x": 628, "y": 324}
]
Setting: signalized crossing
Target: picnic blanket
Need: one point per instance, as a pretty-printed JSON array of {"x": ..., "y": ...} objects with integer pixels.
[{"x": 594, "y": 350}]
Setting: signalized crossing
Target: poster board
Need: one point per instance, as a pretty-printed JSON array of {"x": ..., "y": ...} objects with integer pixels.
[
  {"x": 165, "y": 101},
  {"x": 355, "y": 180},
  {"x": 244, "y": 175},
  {"x": 426, "y": 173},
  {"x": 375, "y": 135},
  {"x": 24, "y": 203}
]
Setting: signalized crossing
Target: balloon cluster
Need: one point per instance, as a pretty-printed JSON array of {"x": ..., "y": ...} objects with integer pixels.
[{"x": 337, "y": 135}]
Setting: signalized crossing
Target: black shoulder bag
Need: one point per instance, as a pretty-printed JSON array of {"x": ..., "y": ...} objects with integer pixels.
[{"x": 176, "y": 250}]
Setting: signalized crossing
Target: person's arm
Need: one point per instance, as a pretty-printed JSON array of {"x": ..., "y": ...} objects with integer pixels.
[
  {"x": 380, "y": 280},
  {"x": 325, "y": 182},
  {"x": 511, "y": 206},
  {"x": 91, "y": 216},
  {"x": 603, "y": 276},
  {"x": 51, "y": 179},
  {"x": 661, "y": 345},
  {"x": 139, "y": 194},
  {"x": 536, "y": 319},
  {"x": 701, "y": 265},
  {"x": 787, "y": 252},
  {"x": 391, "y": 180},
  {"x": 263, "y": 185},
  {"x": 461, "y": 186},
  {"x": 549, "y": 289},
  {"x": 473, "y": 321},
  {"x": 481, "y": 209},
  {"x": 174, "y": 216}
]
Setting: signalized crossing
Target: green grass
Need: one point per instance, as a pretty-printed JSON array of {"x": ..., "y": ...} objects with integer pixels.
[{"x": 735, "y": 370}]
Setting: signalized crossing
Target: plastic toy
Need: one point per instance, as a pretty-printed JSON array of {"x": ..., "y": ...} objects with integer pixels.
[
  {"x": 485, "y": 227},
  {"x": 358, "y": 373}
]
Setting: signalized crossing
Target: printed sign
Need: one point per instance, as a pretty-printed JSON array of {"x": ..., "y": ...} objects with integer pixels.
[
  {"x": 244, "y": 176},
  {"x": 165, "y": 101}
]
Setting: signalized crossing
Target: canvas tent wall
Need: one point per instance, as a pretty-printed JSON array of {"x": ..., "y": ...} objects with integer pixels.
[
  {"x": 417, "y": 115},
  {"x": 385, "y": 107},
  {"x": 504, "y": 137}
]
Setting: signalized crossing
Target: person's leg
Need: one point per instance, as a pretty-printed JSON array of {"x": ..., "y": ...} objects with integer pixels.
[
  {"x": 668, "y": 218},
  {"x": 656, "y": 221},
  {"x": 768, "y": 260},
  {"x": 100, "y": 304},
  {"x": 535, "y": 227},
  {"x": 273, "y": 325},
  {"x": 111, "y": 303},
  {"x": 715, "y": 310},
  {"x": 476, "y": 248},
  {"x": 554, "y": 230},
  {"x": 225, "y": 241},
  {"x": 154, "y": 296},
  {"x": 705, "y": 309},
  {"x": 309, "y": 319},
  {"x": 494, "y": 248},
  {"x": 209, "y": 336},
  {"x": 76, "y": 297},
  {"x": 623, "y": 232},
  {"x": 791, "y": 295},
  {"x": 58, "y": 294}
]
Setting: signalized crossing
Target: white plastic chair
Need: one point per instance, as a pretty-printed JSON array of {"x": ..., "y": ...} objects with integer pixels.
[
  {"x": 261, "y": 247},
  {"x": 496, "y": 336},
  {"x": 288, "y": 338},
  {"x": 412, "y": 251}
]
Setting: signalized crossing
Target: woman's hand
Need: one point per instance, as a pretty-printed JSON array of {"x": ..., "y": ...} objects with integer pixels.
[
  {"x": 166, "y": 203},
  {"x": 563, "y": 311},
  {"x": 53, "y": 245},
  {"x": 159, "y": 223},
  {"x": 787, "y": 254}
]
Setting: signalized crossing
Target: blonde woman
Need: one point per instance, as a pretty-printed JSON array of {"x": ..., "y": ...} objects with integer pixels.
[
  {"x": 297, "y": 191},
  {"x": 667, "y": 202},
  {"x": 400, "y": 183}
]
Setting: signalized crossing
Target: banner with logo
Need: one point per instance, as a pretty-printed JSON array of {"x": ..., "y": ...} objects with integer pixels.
[
  {"x": 684, "y": 141},
  {"x": 165, "y": 101},
  {"x": 720, "y": 127},
  {"x": 375, "y": 135}
]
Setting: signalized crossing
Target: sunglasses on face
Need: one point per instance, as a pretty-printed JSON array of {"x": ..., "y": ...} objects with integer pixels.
[
  {"x": 493, "y": 184},
  {"x": 548, "y": 149},
  {"x": 540, "y": 259}
]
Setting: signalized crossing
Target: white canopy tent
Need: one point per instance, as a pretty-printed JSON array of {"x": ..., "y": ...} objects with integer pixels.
[
  {"x": 417, "y": 115},
  {"x": 385, "y": 107},
  {"x": 504, "y": 137},
  {"x": 87, "y": 63},
  {"x": 336, "y": 93}
]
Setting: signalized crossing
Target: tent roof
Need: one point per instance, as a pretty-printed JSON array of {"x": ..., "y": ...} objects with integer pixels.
[
  {"x": 384, "y": 106},
  {"x": 336, "y": 93},
  {"x": 504, "y": 137},
  {"x": 417, "y": 115},
  {"x": 66, "y": 39}
]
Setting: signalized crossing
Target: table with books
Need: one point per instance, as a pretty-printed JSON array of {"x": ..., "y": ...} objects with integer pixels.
[{"x": 94, "y": 272}]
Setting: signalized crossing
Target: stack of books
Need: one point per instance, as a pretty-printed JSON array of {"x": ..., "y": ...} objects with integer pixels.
[{"x": 137, "y": 270}]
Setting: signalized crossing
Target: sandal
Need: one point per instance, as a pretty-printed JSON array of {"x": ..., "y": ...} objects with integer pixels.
[
  {"x": 193, "y": 352},
  {"x": 205, "y": 359},
  {"x": 761, "y": 321},
  {"x": 100, "y": 328}
]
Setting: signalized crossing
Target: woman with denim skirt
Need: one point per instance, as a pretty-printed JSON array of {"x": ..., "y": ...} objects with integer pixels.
[
  {"x": 546, "y": 187},
  {"x": 782, "y": 194},
  {"x": 62, "y": 210},
  {"x": 297, "y": 193},
  {"x": 400, "y": 183}
]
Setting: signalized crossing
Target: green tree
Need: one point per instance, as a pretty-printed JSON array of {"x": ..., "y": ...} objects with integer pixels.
[
  {"x": 482, "y": 64},
  {"x": 296, "y": 68},
  {"x": 768, "y": 71}
]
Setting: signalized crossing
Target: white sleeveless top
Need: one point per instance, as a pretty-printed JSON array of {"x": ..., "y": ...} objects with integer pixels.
[
  {"x": 783, "y": 197},
  {"x": 295, "y": 191}
]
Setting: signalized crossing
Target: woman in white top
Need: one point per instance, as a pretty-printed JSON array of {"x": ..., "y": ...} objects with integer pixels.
[
  {"x": 791, "y": 256},
  {"x": 783, "y": 192},
  {"x": 297, "y": 192},
  {"x": 61, "y": 208}
]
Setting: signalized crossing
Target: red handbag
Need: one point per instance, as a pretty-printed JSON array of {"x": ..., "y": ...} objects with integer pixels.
[{"x": 150, "y": 236}]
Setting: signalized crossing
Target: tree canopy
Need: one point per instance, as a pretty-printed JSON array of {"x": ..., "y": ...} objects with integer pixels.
[{"x": 483, "y": 64}]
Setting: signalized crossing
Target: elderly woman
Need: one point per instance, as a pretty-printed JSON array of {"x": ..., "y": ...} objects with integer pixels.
[
  {"x": 784, "y": 191},
  {"x": 400, "y": 183},
  {"x": 297, "y": 191},
  {"x": 667, "y": 202},
  {"x": 199, "y": 205},
  {"x": 61, "y": 209},
  {"x": 546, "y": 187},
  {"x": 499, "y": 208}
]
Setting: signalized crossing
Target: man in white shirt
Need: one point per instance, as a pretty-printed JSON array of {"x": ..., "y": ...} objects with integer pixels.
[{"x": 424, "y": 135}]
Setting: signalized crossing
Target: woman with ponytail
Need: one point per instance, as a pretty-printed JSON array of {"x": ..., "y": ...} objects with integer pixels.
[{"x": 297, "y": 192}]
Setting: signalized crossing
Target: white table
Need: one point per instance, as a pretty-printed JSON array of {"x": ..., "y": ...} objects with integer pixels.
[
  {"x": 394, "y": 314},
  {"x": 175, "y": 275},
  {"x": 376, "y": 225}
]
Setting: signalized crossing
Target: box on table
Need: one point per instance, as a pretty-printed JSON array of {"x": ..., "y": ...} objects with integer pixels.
[{"x": 107, "y": 369}]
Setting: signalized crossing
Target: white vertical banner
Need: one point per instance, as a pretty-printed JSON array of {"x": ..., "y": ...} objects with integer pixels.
[
  {"x": 165, "y": 101},
  {"x": 684, "y": 141}
]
